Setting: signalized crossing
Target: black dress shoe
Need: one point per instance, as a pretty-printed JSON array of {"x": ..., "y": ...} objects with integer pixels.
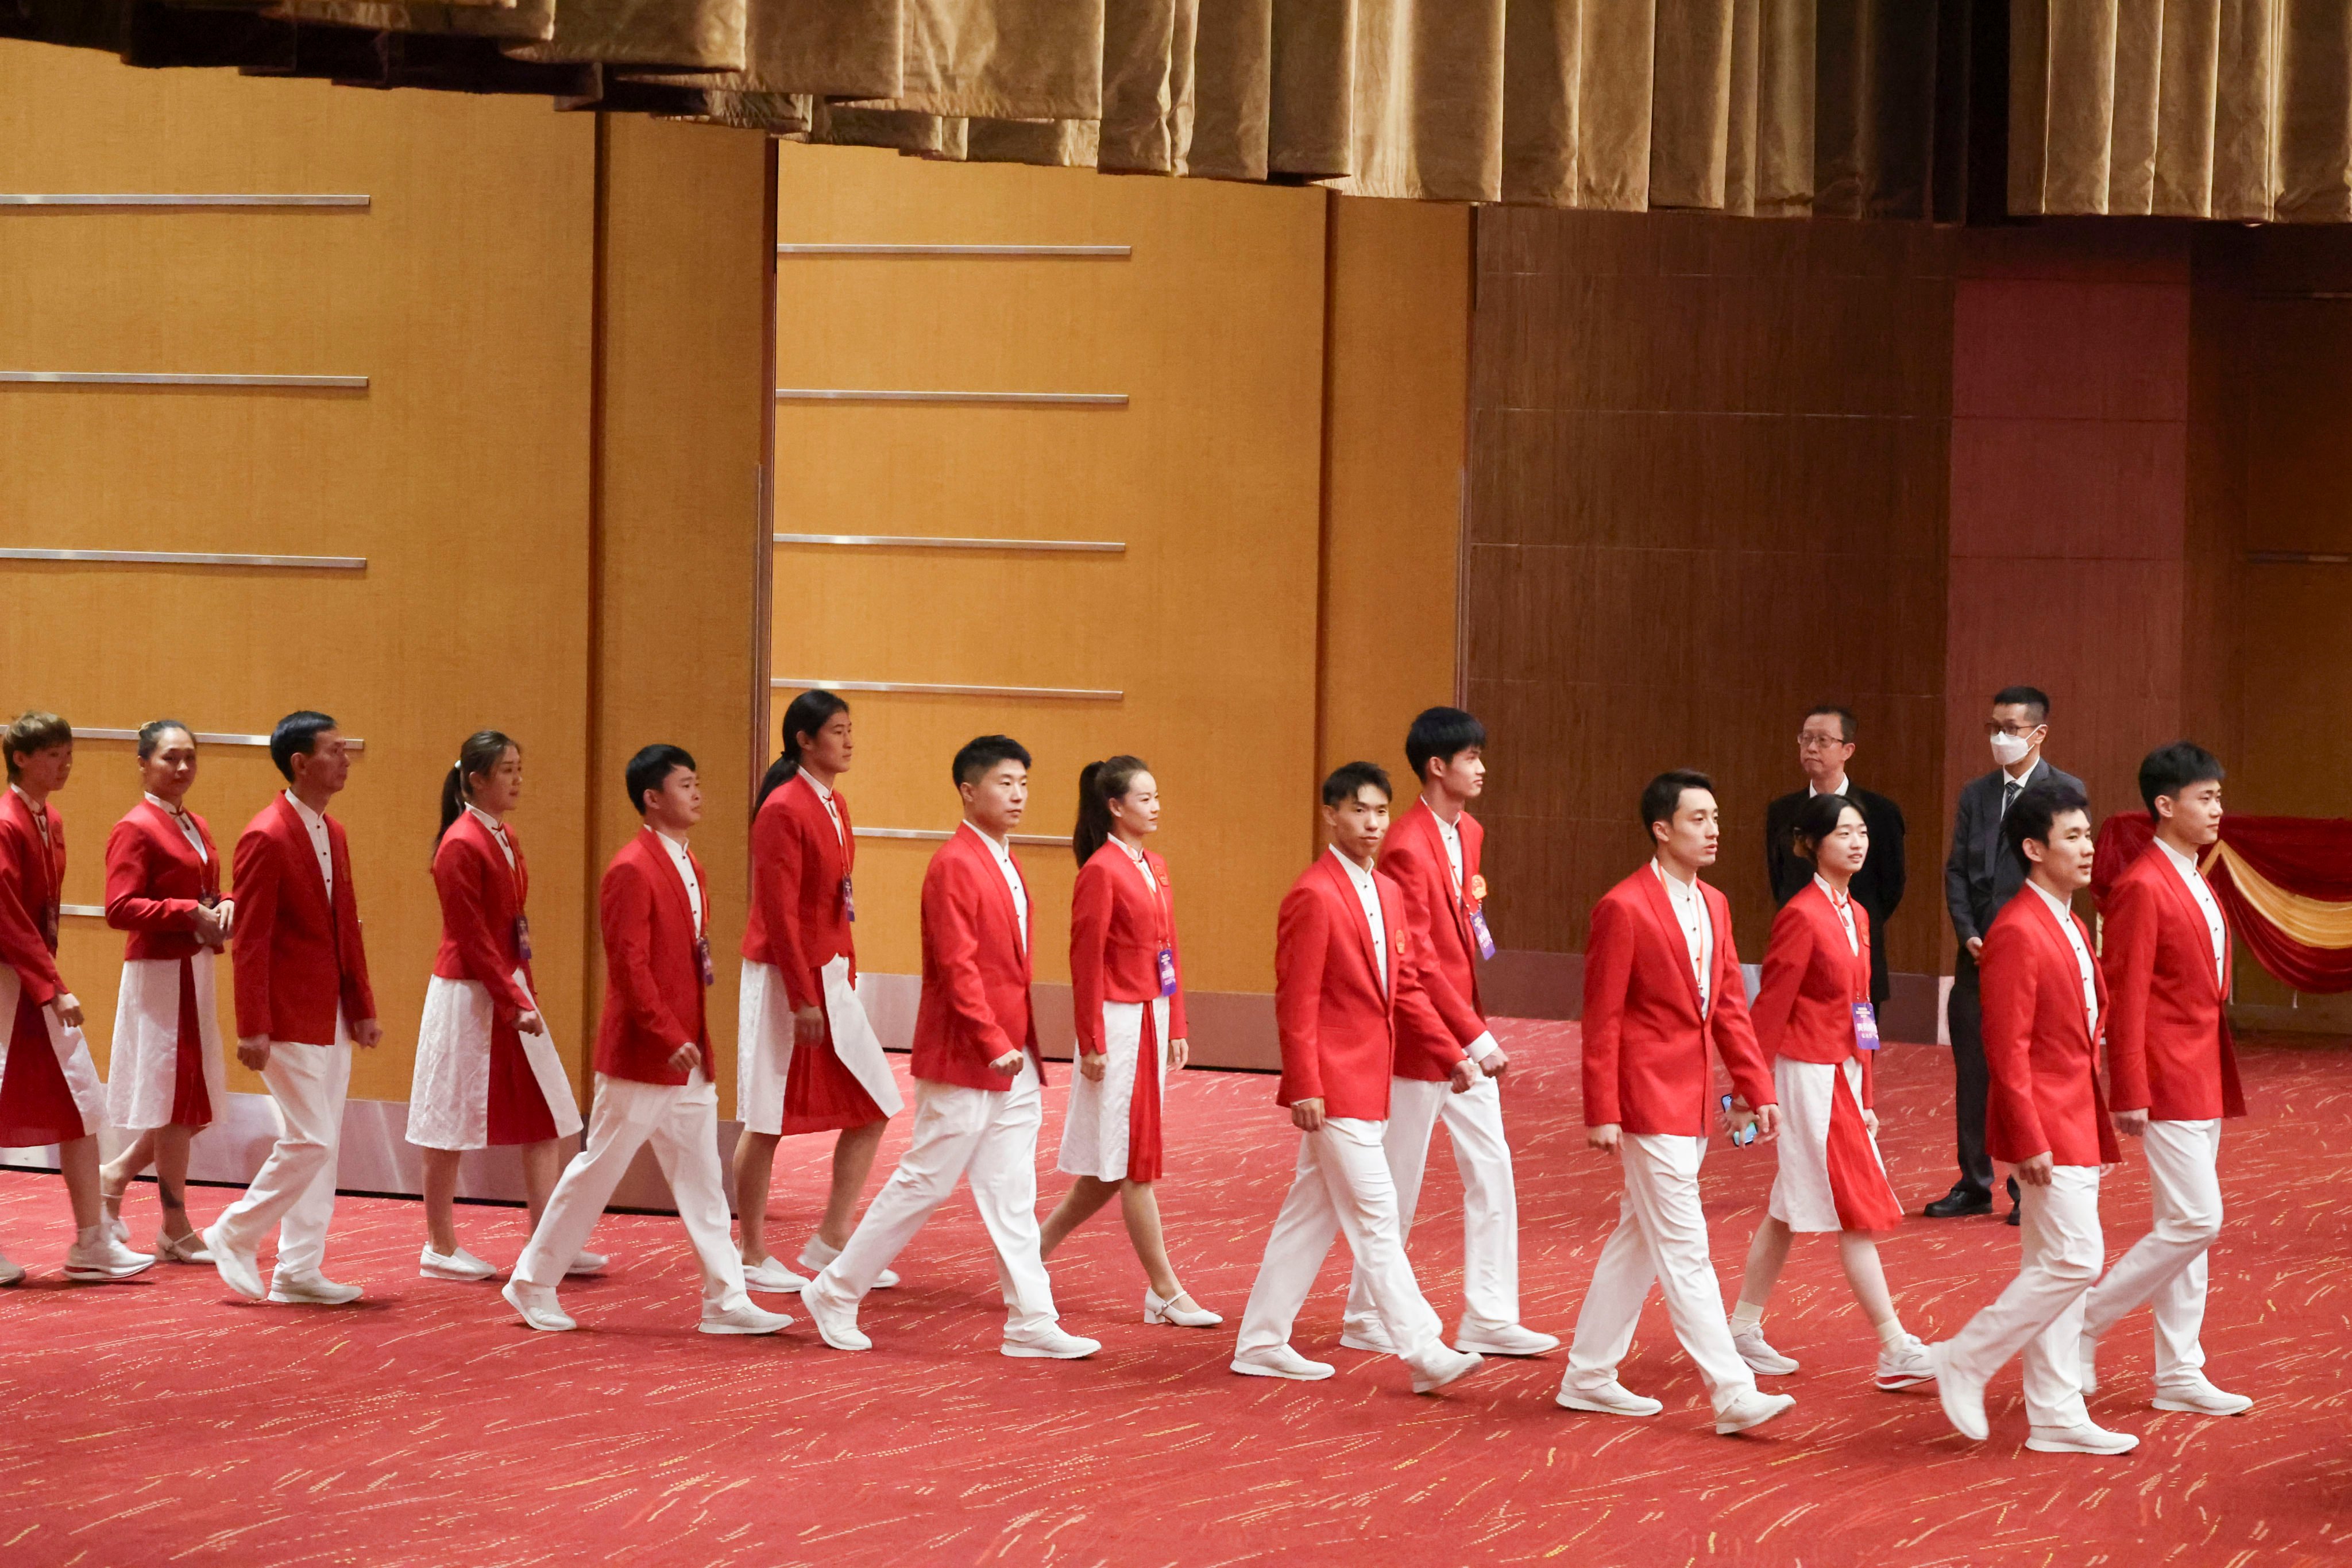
[
  {"x": 2014, "y": 1213},
  {"x": 1957, "y": 1203}
]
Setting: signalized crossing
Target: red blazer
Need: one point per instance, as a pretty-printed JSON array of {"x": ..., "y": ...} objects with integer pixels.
[
  {"x": 800, "y": 921},
  {"x": 1413, "y": 856},
  {"x": 654, "y": 1000},
  {"x": 975, "y": 1001},
  {"x": 1339, "y": 1026},
  {"x": 1645, "y": 1044},
  {"x": 297, "y": 959},
  {"x": 2168, "y": 1045},
  {"x": 155, "y": 881},
  {"x": 481, "y": 900},
  {"x": 1117, "y": 927},
  {"x": 31, "y": 879},
  {"x": 1812, "y": 981},
  {"x": 2043, "y": 1064}
]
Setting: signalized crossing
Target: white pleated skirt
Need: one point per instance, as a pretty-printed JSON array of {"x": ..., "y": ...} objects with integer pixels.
[
  {"x": 1804, "y": 1193},
  {"x": 1094, "y": 1132},
  {"x": 449, "y": 1097},
  {"x": 142, "y": 1074}
]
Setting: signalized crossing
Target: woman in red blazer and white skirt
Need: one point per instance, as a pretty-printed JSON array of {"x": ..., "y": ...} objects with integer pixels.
[
  {"x": 1128, "y": 998},
  {"x": 1813, "y": 1017},
  {"x": 165, "y": 1078},
  {"x": 488, "y": 1075}
]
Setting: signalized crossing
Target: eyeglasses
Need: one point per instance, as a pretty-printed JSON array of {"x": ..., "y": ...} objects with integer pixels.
[
  {"x": 2019, "y": 730},
  {"x": 1807, "y": 741}
]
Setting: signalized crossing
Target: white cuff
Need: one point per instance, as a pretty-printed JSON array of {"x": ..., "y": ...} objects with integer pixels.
[{"x": 1481, "y": 1048}]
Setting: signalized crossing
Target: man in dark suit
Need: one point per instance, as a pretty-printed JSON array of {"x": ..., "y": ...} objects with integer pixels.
[
  {"x": 1978, "y": 880},
  {"x": 1825, "y": 746}
]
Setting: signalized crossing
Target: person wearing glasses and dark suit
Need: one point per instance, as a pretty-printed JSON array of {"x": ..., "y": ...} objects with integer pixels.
[{"x": 1824, "y": 747}]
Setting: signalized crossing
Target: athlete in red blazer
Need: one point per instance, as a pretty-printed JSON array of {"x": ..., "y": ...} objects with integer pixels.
[
  {"x": 2169, "y": 1050},
  {"x": 299, "y": 956},
  {"x": 2043, "y": 1062},
  {"x": 975, "y": 1009},
  {"x": 1118, "y": 928},
  {"x": 800, "y": 864},
  {"x": 653, "y": 984},
  {"x": 481, "y": 909},
  {"x": 1339, "y": 1021},
  {"x": 1440, "y": 915}
]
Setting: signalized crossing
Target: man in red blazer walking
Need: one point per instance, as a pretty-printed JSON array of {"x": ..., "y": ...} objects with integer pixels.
[
  {"x": 2044, "y": 1005},
  {"x": 2172, "y": 1073},
  {"x": 302, "y": 1003},
  {"x": 1433, "y": 854},
  {"x": 653, "y": 1062},
  {"x": 1346, "y": 979},
  {"x": 1661, "y": 981},
  {"x": 978, "y": 1080}
]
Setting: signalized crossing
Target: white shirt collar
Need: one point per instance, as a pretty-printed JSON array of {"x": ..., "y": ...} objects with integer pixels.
[
  {"x": 493, "y": 823},
  {"x": 2059, "y": 907},
  {"x": 824, "y": 791},
  {"x": 2025, "y": 778},
  {"x": 1845, "y": 782},
  {"x": 1356, "y": 873},
  {"x": 677, "y": 845},
  {"x": 1000, "y": 847},
  {"x": 165, "y": 806},
  {"x": 2184, "y": 863},
  {"x": 316, "y": 821},
  {"x": 1675, "y": 884}
]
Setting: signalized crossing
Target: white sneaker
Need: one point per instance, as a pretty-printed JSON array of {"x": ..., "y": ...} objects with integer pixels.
[
  {"x": 238, "y": 1270},
  {"x": 587, "y": 1263},
  {"x": 1366, "y": 1337},
  {"x": 1612, "y": 1398},
  {"x": 771, "y": 1278},
  {"x": 746, "y": 1319},
  {"x": 816, "y": 1255},
  {"x": 458, "y": 1265},
  {"x": 1051, "y": 1344},
  {"x": 2086, "y": 1438},
  {"x": 1904, "y": 1365},
  {"x": 1751, "y": 1410},
  {"x": 834, "y": 1326},
  {"x": 1509, "y": 1339},
  {"x": 310, "y": 1291},
  {"x": 1761, "y": 1358},
  {"x": 2201, "y": 1398},
  {"x": 1196, "y": 1316},
  {"x": 103, "y": 1259},
  {"x": 10, "y": 1273},
  {"x": 1441, "y": 1364},
  {"x": 1963, "y": 1401},
  {"x": 2086, "y": 1357},
  {"x": 1282, "y": 1361},
  {"x": 537, "y": 1305}
]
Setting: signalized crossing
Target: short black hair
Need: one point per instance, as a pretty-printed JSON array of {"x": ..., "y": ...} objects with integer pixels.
[
  {"x": 1348, "y": 777},
  {"x": 983, "y": 752},
  {"x": 1441, "y": 733},
  {"x": 296, "y": 735},
  {"x": 2037, "y": 805},
  {"x": 2032, "y": 697},
  {"x": 1846, "y": 726},
  {"x": 1663, "y": 796},
  {"x": 650, "y": 769},
  {"x": 2168, "y": 770},
  {"x": 1816, "y": 820}
]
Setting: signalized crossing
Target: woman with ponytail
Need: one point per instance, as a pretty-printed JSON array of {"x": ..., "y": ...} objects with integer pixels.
[
  {"x": 487, "y": 1073},
  {"x": 1129, "y": 1004},
  {"x": 807, "y": 1058}
]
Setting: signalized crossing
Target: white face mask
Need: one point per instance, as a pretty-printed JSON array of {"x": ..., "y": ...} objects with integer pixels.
[{"x": 2009, "y": 750}]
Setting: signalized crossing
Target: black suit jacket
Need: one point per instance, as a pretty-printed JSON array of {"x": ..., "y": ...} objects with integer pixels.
[
  {"x": 1877, "y": 887},
  {"x": 1978, "y": 880}
]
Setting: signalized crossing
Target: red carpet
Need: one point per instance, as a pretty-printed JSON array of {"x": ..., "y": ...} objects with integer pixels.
[{"x": 153, "y": 1421}]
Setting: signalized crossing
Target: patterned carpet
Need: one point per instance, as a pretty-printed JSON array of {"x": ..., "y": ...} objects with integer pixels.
[{"x": 155, "y": 1422}]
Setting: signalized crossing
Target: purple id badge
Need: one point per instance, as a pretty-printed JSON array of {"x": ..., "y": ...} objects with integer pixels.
[
  {"x": 1479, "y": 927},
  {"x": 1167, "y": 972},
  {"x": 702, "y": 956},
  {"x": 848, "y": 901},
  {"x": 1865, "y": 1027},
  {"x": 522, "y": 938}
]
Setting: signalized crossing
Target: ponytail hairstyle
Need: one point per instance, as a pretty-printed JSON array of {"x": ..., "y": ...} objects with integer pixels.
[
  {"x": 481, "y": 753},
  {"x": 151, "y": 733},
  {"x": 809, "y": 712},
  {"x": 1100, "y": 783},
  {"x": 1816, "y": 820}
]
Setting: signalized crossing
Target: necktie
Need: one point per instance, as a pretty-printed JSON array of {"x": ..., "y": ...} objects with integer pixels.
[{"x": 2009, "y": 795}]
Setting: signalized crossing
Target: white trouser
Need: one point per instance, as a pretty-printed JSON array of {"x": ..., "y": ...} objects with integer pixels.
[
  {"x": 1341, "y": 1187},
  {"x": 681, "y": 1122},
  {"x": 2168, "y": 1262},
  {"x": 1661, "y": 1236},
  {"x": 1490, "y": 1204},
  {"x": 2041, "y": 1313},
  {"x": 295, "y": 1188},
  {"x": 988, "y": 1136}
]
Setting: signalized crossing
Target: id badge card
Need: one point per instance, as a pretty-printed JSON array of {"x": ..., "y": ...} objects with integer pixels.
[
  {"x": 1478, "y": 930},
  {"x": 848, "y": 899},
  {"x": 522, "y": 938},
  {"x": 702, "y": 956},
  {"x": 1865, "y": 1027},
  {"x": 1167, "y": 972}
]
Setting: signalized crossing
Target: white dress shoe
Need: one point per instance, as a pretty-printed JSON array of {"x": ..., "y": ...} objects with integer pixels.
[
  {"x": 1751, "y": 1410},
  {"x": 1761, "y": 1358},
  {"x": 1508, "y": 1339},
  {"x": 10, "y": 1273},
  {"x": 310, "y": 1291},
  {"x": 1051, "y": 1344},
  {"x": 2086, "y": 1438},
  {"x": 100, "y": 1257},
  {"x": 746, "y": 1319},
  {"x": 537, "y": 1305},
  {"x": 1905, "y": 1364},
  {"x": 816, "y": 1255},
  {"x": 1612, "y": 1398},
  {"x": 188, "y": 1249},
  {"x": 770, "y": 1277},
  {"x": 1963, "y": 1401},
  {"x": 587, "y": 1263},
  {"x": 458, "y": 1265},
  {"x": 1282, "y": 1361},
  {"x": 1367, "y": 1337},
  {"x": 1196, "y": 1316},
  {"x": 1441, "y": 1364},
  {"x": 834, "y": 1326},
  {"x": 2201, "y": 1399},
  {"x": 238, "y": 1270},
  {"x": 2086, "y": 1360}
]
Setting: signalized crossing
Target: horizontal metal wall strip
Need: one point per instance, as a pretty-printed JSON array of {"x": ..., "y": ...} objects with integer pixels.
[
  {"x": 83, "y": 911},
  {"x": 190, "y": 558},
  {"x": 935, "y": 541},
  {"x": 204, "y": 738},
  {"x": 916, "y": 689},
  {"x": 160, "y": 378},
  {"x": 2297, "y": 558},
  {"x": 159, "y": 200},
  {"x": 1046, "y": 840},
  {"x": 1043, "y": 399},
  {"x": 1071, "y": 252}
]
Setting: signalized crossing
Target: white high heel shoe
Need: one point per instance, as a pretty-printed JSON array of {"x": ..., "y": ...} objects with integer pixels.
[{"x": 1156, "y": 1310}]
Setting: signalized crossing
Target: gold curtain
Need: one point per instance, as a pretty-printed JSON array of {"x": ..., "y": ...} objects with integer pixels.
[{"x": 2221, "y": 109}]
